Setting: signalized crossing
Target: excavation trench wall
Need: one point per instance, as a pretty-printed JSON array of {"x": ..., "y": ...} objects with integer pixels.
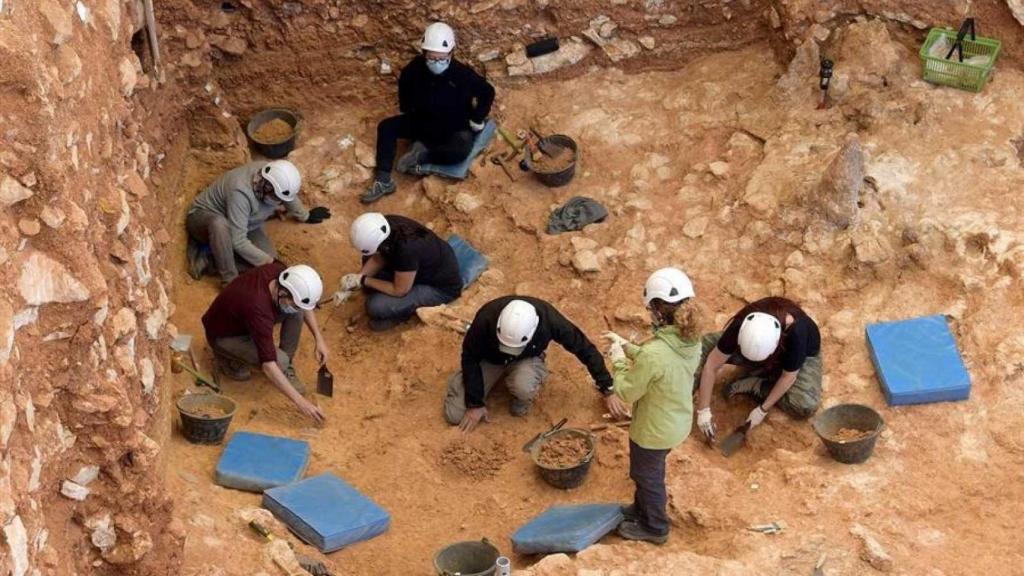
[{"x": 93, "y": 181}]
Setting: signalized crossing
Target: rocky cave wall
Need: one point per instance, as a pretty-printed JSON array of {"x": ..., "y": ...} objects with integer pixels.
[{"x": 91, "y": 163}]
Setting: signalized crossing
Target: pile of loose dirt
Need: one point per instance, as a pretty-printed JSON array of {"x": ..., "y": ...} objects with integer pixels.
[
  {"x": 560, "y": 160},
  {"x": 209, "y": 412},
  {"x": 272, "y": 132},
  {"x": 475, "y": 456},
  {"x": 850, "y": 435},
  {"x": 563, "y": 452}
]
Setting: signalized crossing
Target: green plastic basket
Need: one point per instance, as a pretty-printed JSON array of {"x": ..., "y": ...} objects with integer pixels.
[{"x": 952, "y": 72}]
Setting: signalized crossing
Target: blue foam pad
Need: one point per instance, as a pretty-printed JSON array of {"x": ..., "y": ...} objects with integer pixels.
[
  {"x": 460, "y": 170},
  {"x": 918, "y": 361},
  {"x": 255, "y": 462},
  {"x": 566, "y": 528},
  {"x": 326, "y": 512},
  {"x": 471, "y": 262}
]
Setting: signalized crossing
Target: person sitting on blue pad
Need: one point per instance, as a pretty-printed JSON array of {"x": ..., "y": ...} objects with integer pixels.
[
  {"x": 405, "y": 266},
  {"x": 778, "y": 348},
  {"x": 443, "y": 104}
]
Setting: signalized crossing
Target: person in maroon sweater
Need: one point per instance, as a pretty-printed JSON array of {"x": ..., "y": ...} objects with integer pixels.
[{"x": 240, "y": 326}]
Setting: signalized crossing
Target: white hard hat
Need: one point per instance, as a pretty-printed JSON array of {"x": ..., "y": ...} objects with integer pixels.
[
  {"x": 439, "y": 37},
  {"x": 516, "y": 324},
  {"x": 284, "y": 177},
  {"x": 668, "y": 284},
  {"x": 759, "y": 336},
  {"x": 368, "y": 231},
  {"x": 304, "y": 284}
]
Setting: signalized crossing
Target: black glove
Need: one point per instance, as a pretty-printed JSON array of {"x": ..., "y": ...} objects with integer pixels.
[{"x": 318, "y": 215}]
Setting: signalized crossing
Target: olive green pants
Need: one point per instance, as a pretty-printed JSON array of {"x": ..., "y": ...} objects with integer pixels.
[{"x": 800, "y": 401}]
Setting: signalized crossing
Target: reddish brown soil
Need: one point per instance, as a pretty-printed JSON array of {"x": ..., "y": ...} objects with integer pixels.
[
  {"x": 563, "y": 452},
  {"x": 476, "y": 457},
  {"x": 850, "y": 435},
  {"x": 273, "y": 132},
  {"x": 560, "y": 160}
]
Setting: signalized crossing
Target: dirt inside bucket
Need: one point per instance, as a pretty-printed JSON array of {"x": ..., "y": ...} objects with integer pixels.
[
  {"x": 272, "y": 132},
  {"x": 560, "y": 159},
  {"x": 850, "y": 435},
  {"x": 208, "y": 411},
  {"x": 563, "y": 452}
]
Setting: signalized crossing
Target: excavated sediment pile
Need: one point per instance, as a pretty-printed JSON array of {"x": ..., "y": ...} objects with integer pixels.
[{"x": 101, "y": 153}]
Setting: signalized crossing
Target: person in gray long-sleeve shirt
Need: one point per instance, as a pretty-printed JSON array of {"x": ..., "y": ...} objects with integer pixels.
[{"x": 228, "y": 217}]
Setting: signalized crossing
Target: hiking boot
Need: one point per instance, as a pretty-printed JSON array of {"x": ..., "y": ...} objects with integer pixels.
[
  {"x": 377, "y": 191},
  {"x": 410, "y": 162},
  {"x": 198, "y": 257},
  {"x": 635, "y": 531},
  {"x": 293, "y": 379},
  {"x": 751, "y": 386},
  {"x": 234, "y": 369},
  {"x": 629, "y": 513},
  {"x": 519, "y": 408}
]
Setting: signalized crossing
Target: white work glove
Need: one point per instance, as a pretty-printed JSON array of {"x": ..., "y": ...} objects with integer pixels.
[
  {"x": 612, "y": 336},
  {"x": 340, "y": 297},
  {"x": 616, "y": 353},
  {"x": 476, "y": 126},
  {"x": 350, "y": 282},
  {"x": 757, "y": 415},
  {"x": 706, "y": 423}
]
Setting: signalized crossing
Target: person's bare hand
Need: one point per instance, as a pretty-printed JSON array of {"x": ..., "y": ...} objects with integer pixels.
[
  {"x": 473, "y": 418},
  {"x": 616, "y": 407},
  {"x": 311, "y": 410},
  {"x": 322, "y": 352}
]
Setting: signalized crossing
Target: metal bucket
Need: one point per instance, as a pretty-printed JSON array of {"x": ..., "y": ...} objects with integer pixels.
[
  {"x": 470, "y": 558},
  {"x": 569, "y": 476},
  {"x": 278, "y": 149},
  {"x": 562, "y": 177},
  {"x": 200, "y": 429},
  {"x": 850, "y": 416}
]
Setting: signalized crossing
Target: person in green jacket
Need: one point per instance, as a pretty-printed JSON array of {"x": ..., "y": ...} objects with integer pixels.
[{"x": 658, "y": 383}]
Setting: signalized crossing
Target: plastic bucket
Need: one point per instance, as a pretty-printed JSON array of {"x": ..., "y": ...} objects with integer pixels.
[
  {"x": 279, "y": 148},
  {"x": 561, "y": 177},
  {"x": 208, "y": 428},
  {"x": 851, "y": 417},
  {"x": 570, "y": 476},
  {"x": 470, "y": 558}
]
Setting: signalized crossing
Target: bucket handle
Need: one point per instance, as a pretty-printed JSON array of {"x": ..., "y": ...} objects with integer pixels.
[{"x": 958, "y": 46}]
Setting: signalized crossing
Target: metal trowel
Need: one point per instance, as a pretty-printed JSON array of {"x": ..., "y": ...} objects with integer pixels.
[
  {"x": 325, "y": 382},
  {"x": 734, "y": 441},
  {"x": 529, "y": 445}
]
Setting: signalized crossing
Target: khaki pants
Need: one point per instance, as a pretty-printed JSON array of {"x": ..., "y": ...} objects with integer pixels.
[
  {"x": 800, "y": 401},
  {"x": 522, "y": 377}
]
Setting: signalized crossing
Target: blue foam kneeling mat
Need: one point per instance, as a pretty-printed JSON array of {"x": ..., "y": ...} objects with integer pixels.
[
  {"x": 918, "y": 361},
  {"x": 460, "y": 170},
  {"x": 326, "y": 512},
  {"x": 566, "y": 528},
  {"x": 471, "y": 262},
  {"x": 255, "y": 462}
]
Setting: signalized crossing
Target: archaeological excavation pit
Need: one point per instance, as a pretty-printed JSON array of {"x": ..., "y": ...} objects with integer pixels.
[{"x": 700, "y": 131}]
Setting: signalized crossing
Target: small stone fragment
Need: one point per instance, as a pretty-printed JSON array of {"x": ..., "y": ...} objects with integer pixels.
[
  {"x": 74, "y": 491},
  {"x": 12, "y": 192},
  {"x": 719, "y": 168},
  {"x": 29, "y": 226},
  {"x": 586, "y": 261},
  {"x": 647, "y": 42}
]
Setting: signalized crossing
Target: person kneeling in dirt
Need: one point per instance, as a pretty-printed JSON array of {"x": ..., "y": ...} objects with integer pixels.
[
  {"x": 240, "y": 326},
  {"x": 443, "y": 104},
  {"x": 508, "y": 339},
  {"x": 778, "y": 347},
  {"x": 229, "y": 215},
  {"x": 405, "y": 266},
  {"x": 659, "y": 386}
]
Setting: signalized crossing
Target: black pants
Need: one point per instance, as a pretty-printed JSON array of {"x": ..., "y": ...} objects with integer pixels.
[
  {"x": 647, "y": 470},
  {"x": 443, "y": 148}
]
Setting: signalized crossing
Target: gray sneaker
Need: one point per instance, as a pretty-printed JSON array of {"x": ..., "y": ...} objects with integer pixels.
[
  {"x": 749, "y": 385},
  {"x": 410, "y": 162},
  {"x": 234, "y": 370},
  {"x": 636, "y": 531},
  {"x": 519, "y": 408},
  {"x": 377, "y": 191}
]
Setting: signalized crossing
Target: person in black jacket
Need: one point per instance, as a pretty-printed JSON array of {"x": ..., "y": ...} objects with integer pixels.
[
  {"x": 443, "y": 104},
  {"x": 508, "y": 339}
]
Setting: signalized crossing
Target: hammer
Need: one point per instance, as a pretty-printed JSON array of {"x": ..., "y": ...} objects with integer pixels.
[{"x": 502, "y": 160}]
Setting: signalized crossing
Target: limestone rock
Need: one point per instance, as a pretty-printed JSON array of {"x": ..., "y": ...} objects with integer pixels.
[
  {"x": 433, "y": 188},
  {"x": 719, "y": 169},
  {"x": 86, "y": 474},
  {"x": 568, "y": 53},
  {"x": 466, "y": 203},
  {"x": 74, "y": 491},
  {"x": 123, "y": 323},
  {"x": 488, "y": 55},
  {"x": 68, "y": 63},
  {"x": 365, "y": 155},
  {"x": 147, "y": 375},
  {"x": 57, "y": 19},
  {"x": 128, "y": 74},
  {"x": 1017, "y": 8},
  {"x": 647, "y": 42},
  {"x": 29, "y": 226},
  {"x": 870, "y": 246},
  {"x": 232, "y": 45},
  {"x": 103, "y": 534},
  {"x": 52, "y": 216},
  {"x": 43, "y": 280},
  {"x": 6, "y": 332},
  {"x": 873, "y": 552},
  {"x": 801, "y": 77},
  {"x": 586, "y": 261},
  {"x": 619, "y": 49},
  {"x": 12, "y": 192},
  {"x": 841, "y": 184},
  {"x": 869, "y": 54},
  {"x": 17, "y": 543},
  {"x": 667, "y": 20},
  {"x": 695, "y": 227},
  {"x": 483, "y": 5}
]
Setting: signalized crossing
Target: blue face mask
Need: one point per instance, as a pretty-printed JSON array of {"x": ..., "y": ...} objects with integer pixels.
[{"x": 438, "y": 66}]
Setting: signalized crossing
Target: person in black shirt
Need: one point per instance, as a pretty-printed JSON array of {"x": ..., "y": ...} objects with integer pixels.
[
  {"x": 405, "y": 266},
  {"x": 443, "y": 104},
  {"x": 508, "y": 339},
  {"x": 779, "y": 347}
]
